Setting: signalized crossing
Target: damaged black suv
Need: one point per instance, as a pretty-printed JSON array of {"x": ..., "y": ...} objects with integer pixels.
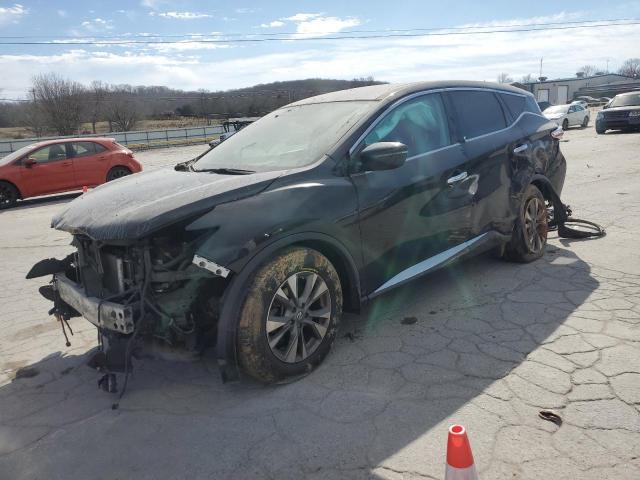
[{"x": 257, "y": 246}]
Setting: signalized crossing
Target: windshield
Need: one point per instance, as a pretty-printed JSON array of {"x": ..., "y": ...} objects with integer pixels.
[
  {"x": 287, "y": 138},
  {"x": 557, "y": 109},
  {"x": 16, "y": 155},
  {"x": 630, "y": 100}
]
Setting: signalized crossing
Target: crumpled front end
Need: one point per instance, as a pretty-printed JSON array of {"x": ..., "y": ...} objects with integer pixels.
[{"x": 136, "y": 292}]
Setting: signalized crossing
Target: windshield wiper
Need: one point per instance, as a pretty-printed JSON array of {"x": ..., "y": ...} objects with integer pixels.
[{"x": 225, "y": 171}]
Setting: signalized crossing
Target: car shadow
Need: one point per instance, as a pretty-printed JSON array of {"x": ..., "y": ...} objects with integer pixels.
[{"x": 461, "y": 345}]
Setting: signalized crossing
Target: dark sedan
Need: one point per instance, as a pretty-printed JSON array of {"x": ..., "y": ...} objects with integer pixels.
[
  {"x": 622, "y": 113},
  {"x": 261, "y": 243}
]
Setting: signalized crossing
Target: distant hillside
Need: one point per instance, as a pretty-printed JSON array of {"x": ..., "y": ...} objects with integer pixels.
[{"x": 125, "y": 107}]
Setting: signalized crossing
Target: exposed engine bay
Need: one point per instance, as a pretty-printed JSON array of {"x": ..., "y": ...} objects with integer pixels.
[{"x": 154, "y": 290}]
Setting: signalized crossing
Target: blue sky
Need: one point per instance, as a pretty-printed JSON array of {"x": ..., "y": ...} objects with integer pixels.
[{"x": 219, "y": 66}]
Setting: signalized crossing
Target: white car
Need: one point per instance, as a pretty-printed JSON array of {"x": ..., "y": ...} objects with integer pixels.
[
  {"x": 568, "y": 115},
  {"x": 582, "y": 103}
]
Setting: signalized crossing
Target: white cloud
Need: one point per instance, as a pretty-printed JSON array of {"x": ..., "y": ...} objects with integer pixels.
[
  {"x": 302, "y": 17},
  {"x": 274, "y": 24},
  {"x": 62, "y": 13},
  {"x": 182, "y": 15},
  {"x": 243, "y": 11},
  {"x": 473, "y": 57},
  {"x": 153, "y": 4},
  {"x": 324, "y": 26},
  {"x": 97, "y": 24},
  {"x": 12, "y": 14},
  {"x": 314, "y": 24}
]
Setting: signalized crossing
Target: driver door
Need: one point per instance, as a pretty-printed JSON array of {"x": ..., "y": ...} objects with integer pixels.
[
  {"x": 47, "y": 170},
  {"x": 409, "y": 214}
]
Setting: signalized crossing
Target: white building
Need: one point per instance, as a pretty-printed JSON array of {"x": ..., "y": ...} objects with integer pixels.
[{"x": 565, "y": 90}]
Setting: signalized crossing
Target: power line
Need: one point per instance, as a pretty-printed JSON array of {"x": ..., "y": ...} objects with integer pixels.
[
  {"x": 333, "y": 37},
  {"x": 346, "y": 32}
]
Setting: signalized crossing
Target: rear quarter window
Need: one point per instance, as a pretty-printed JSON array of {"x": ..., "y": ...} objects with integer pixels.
[
  {"x": 515, "y": 104},
  {"x": 477, "y": 112}
]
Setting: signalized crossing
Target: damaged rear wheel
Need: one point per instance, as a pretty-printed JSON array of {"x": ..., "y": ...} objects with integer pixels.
[
  {"x": 529, "y": 237},
  {"x": 289, "y": 316}
]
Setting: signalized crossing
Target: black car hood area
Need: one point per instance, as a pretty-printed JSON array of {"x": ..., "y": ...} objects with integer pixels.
[{"x": 137, "y": 205}]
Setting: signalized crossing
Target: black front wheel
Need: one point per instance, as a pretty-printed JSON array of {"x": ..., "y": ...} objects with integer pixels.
[
  {"x": 289, "y": 316},
  {"x": 529, "y": 237},
  {"x": 600, "y": 129},
  {"x": 565, "y": 124},
  {"x": 585, "y": 122},
  {"x": 9, "y": 195},
  {"x": 117, "y": 172}
]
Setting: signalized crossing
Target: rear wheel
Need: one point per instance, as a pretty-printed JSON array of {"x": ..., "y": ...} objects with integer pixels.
[
  {"x": 565, "y": 124},
  {"x": 585, "y": 122},
  {"x": 9, "y": 195},
  {"x": 117, "y": 172},
  {"x": 290, "y": 315},
  {"x": 529, "y": 237}
]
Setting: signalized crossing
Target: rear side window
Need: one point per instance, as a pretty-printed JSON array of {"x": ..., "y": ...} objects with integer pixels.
[
  {"x": 477, "y": 112},
  {"x": 515, "y": 104},
  {"x": 82, "y": 149},
  {"x": 531, "y": 105}
]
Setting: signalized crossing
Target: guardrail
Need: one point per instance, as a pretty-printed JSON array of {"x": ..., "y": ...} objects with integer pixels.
[{"x": 135, "y": 140}]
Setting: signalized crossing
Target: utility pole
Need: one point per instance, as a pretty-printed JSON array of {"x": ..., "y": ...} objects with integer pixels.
[
  {"x": 607, "y": 65},
  {"x": 540, "y": 67}
]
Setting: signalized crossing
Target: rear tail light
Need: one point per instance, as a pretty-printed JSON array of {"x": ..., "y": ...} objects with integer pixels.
[{"x": 557, "y": 133}]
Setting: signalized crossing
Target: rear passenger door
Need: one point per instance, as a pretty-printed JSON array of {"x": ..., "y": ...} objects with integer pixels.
[
  {"x": 491, "y": 143},
  {"x": 89, "y": 162}
]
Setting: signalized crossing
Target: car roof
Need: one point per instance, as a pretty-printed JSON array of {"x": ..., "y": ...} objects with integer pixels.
[
  {"x": 636, "y": 92},
  {"x": 391, "y": 91}
]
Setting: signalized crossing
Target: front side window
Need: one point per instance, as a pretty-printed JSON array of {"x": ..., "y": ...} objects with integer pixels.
[
  {"x": 477, "y": 112},
  {"x": 421, "y": 124},
  {"x": 51, "y": 153}
]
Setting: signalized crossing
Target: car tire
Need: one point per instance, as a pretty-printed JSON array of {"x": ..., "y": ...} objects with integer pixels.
[
  {"x": 117, "y": 172},
  {"x": 278, "y": 334},
  {"x": 9, "y": 195},
  {"x": 565, "y": 124},
  {"x": 585, "y": 122},
  {"x": 529, "y": 237},
  {"x": 600, "y": 130}
]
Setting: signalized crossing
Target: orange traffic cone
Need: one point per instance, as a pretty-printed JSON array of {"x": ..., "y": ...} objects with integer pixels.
[
  {"x": 459, "y": 458},
  {"x": 85, "y": 189}
]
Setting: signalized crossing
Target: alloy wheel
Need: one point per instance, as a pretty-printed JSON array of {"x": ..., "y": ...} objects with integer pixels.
[
  {"x": 118, "y": 173},
  {"x": 536, "y": 226},
  {"x": 298, "y": 317}
]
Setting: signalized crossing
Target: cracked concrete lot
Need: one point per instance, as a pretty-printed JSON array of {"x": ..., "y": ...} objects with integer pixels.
[{"x": 493, "y": 344}]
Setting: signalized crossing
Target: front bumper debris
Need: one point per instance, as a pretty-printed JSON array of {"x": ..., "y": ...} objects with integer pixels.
[{"x": 102, "y": 313}]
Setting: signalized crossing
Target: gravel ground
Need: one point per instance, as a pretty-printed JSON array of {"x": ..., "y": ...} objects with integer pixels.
[{"x": 493, "y": 344}]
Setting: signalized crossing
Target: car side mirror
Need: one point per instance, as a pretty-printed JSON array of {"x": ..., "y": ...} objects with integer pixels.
[
  {"x": 384, "y": 156},
  {"x": 29, "y": 162}
]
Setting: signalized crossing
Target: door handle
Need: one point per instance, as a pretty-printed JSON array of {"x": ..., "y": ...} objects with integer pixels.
[
  {"x": 521, "y": 148},
  {"x": 456, "y": 178}
]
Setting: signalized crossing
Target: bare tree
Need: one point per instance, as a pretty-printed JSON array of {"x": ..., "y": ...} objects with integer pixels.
[
  {"x": 504, "y": 78},
  {"x": 630, "y": 68},
  {"x": 123, "y": 110},
  {"x": 60, "y": 100},
  {"x": 587, "y": 70},
  {"x": 528, "y": 78},
  {"x": 32, "y": 116},
  {"x": 97, "y": 94}
]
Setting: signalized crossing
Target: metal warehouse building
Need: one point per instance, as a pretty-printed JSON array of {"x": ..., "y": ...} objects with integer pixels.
[{"x": 564, "y": 90}]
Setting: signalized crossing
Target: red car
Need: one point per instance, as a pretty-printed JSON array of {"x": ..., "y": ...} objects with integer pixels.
[{"x": 63, "y": 165}]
